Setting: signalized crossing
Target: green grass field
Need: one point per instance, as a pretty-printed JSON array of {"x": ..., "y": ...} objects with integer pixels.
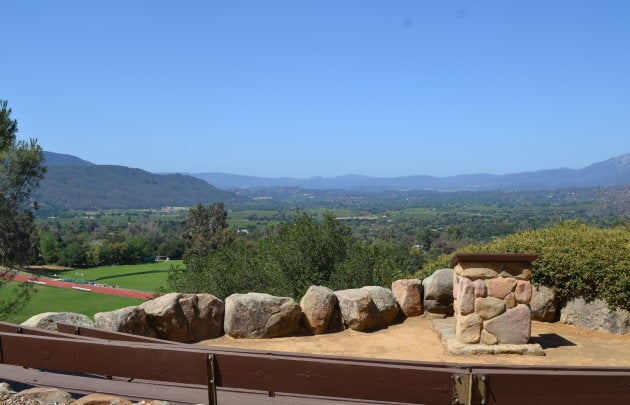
[
  {"x": 143, "y": 277},
  {"x": 54, "y": 299}
]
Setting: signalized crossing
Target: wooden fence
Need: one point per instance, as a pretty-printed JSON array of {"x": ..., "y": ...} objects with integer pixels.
[{"x": 84, "y": 360}]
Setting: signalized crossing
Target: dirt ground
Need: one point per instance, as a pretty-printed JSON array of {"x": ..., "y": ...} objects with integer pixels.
[{"x": 564, "y": 345}]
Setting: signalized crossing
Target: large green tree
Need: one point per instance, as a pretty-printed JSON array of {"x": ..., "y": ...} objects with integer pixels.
[
  {"x": 21, "y": 169},
  {"x": 205, "y": 230},
  {"x": 289, "y": 258}
]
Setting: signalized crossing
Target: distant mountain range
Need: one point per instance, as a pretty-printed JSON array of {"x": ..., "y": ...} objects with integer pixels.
[
  {"x": 607, "y": 173},
  {"x": 73, "y": 183}
]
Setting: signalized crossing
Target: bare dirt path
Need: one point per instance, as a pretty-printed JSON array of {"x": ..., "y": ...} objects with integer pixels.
[
  {"x": 565, "y": 345},
  {"x": 121, "y": 292}
]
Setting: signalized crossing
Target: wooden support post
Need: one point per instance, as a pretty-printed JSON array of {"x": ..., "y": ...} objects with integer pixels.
[{"x": 212, "y": 386}]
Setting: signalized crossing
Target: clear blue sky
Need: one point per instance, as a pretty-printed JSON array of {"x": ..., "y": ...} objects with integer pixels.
[{"x": 304, "y": 88}]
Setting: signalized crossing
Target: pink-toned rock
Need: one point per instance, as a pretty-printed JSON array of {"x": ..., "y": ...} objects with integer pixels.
[
  {"x": 510, "y": 300},
  {"x": 468, "y": 328},
  {"x": 480, "y": 288},
  {"x": 513, "y": 326},
  {"x": 466, "y": 299},
  {"x": 455, "y": 285},
  {"x": 500, "y": 287},
  {"x": 523, "y": 291},
  {"x": 101, "y": 399},
  {"x": 489, "y": 307},
  {"x": 318, "y": 305},
  {"x": 488, "y": 338},
  {"x": 408, "y": 294}
]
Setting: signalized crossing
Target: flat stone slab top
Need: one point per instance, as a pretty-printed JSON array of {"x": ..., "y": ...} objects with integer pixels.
[
  {"x": 492, "y": 257},
  {"x": 446, "y": 330},
  {"x": 493, "y": 265}
]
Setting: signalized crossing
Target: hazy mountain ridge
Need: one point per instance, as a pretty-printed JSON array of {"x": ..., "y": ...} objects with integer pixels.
[
  {"x": 74, "y": 183},
  {"x": 84, "y": 187},
  {"x": 610, "y": 172},
  {"x": 61, "y": 159}
]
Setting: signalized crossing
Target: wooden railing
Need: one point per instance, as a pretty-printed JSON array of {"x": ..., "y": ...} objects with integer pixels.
[{"x": 138, "y": 367}]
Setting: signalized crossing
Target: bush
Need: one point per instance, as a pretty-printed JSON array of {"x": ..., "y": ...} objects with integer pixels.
[
  {"x": 574, "y": 259},
  {"x": 290, "y": 258}
]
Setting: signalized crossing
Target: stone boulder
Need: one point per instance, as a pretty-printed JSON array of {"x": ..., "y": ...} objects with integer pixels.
[
  {"x": 438, "y": 293},
  {"x": 408, "y": 294},
  {"x": 256, "y": 316},
  {"x": 6, "y": 391},
  {"x": 319, "y": 304},
  {"x": 500, "y": 287},
  {"x": 102, "y": 399},
  {"x": 358, "y": 310},
  {"x": 595, "y": 315},
  {"x": 131, "y": 320},
  {"x": 44, "y": 396},
  {"x": 513, "y": 326},
  {"x": 386, "y": 305},
  {"x": 185, "y": 317},
  {"x": 48, "y": 320},
  {"x": 489, "y": 307},
  {"x": 544, "y": 305},
  {"x": 468, "y": 328}
]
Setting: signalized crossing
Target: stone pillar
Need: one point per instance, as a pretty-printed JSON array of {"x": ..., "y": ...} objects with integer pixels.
[{"x": 491, "y": 297}]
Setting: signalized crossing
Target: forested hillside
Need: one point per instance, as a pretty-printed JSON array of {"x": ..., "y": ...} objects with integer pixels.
[{"x": 102, "y": 187}]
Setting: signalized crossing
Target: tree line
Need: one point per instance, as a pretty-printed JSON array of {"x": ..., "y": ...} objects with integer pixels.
[{"x": 285, "y": 260}]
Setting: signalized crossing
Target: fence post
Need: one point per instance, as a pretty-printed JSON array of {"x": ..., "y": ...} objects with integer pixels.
[
  {"x": 470, "y": 389},
  {"x": 212, "y": 386}
]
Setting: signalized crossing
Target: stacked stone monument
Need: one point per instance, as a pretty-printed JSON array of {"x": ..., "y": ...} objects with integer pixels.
[{"x": 491, "y": 298}]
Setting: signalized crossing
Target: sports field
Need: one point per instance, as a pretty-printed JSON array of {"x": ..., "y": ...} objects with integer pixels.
[{"x": 143, "y": 277}]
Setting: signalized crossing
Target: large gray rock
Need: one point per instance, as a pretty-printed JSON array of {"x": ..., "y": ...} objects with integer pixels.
[
  {"x": 256, "y": 315},
  {"x": 438, "y": 292},
  {"x": 595, "y": 315},
  {"x": 386, "y": 305},
  {"x": 204, "y": 313},
  {"x": 185, "y": 317},
  {"x": 131, "y": 320},
  {"x": 48, "y": 320},
  {"x": 544, "y": 305},
  {"x": 318, "y": 306},
  {"x": 358, "y": 310},
  {"x": 512, "y": 327},
  {"x": 408, "y": 294}
]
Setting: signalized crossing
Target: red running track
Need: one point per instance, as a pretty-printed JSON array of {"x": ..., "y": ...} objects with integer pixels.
[{"x": 122, "y": 292}]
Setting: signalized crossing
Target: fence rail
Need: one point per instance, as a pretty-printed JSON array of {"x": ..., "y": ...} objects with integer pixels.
[{"x": 136, "y": 367}]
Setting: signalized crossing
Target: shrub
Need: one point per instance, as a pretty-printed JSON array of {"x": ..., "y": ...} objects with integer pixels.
[{"x": 574, "y": 259}]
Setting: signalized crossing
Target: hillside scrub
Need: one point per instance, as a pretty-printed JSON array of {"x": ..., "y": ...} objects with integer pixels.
[
  {"x": 289, "y": 258},
  {"x": 574, "y": 259}
]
